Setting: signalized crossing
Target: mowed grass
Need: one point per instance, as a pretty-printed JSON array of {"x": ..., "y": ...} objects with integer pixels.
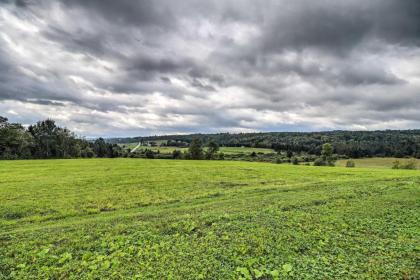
[
  {"x": 163, "y": 149},
  {"x": 168, "y": 219},
  {"x": 377, "y": 162},
  {"x": 226, "y": 150}
]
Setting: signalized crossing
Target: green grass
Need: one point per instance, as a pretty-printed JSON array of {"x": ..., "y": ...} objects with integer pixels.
[
  {"x": 168, "y": 219},
  {"x": 226, "y": 150},
  {"x": 163, "y": 149},
  {"x": 376, "y": 162},
  {"x": 245, "y": 150}
]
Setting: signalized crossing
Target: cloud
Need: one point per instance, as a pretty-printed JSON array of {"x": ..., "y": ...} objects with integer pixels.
[{"x": 113, "y": 68}]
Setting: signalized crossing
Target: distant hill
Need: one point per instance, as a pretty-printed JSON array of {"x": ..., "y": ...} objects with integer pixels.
[{"x": 383, "y": 143}]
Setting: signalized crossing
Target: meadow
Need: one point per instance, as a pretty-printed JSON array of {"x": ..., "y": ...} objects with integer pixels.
[
  {"x": 181, "y": 219},
  {"x": 225, "y": 150},
  {"x": 376, "y": 162}
]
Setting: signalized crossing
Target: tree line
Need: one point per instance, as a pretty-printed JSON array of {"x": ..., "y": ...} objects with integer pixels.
[
  {"x": 353, "y": 144},
  {"x": 47, "y": 140}
]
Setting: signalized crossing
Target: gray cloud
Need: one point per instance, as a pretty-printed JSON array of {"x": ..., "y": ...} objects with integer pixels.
[{"x": 151, "y": 67}]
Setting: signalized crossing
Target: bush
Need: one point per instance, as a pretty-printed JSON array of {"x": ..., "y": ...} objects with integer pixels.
[
  {"x": 176, "y": 154},
  {"x": 149, "y": 154},
  {"x": 186, "y": 155},
  {"x": 350, "y": 163},
  {"x": 295, "y": 161},
  {"x": 396, "y": 164},
  {"x": 319, "y": 162},
  {"x": 322, "y": 162},
  {"x": 411, "y": 164}
]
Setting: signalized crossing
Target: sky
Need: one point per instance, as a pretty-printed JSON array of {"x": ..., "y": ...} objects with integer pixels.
[{"x": 135, "y": 68}]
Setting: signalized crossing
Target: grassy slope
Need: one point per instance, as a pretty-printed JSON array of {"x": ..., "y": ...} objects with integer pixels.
[
  {"x": 376, "y": 162},
  {"x": 153, "y": 219}
]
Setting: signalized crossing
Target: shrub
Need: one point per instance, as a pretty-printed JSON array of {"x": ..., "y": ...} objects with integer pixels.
[
  {"x": 322, "y": 162},
  {"x": 295, "y": 161},
  {"x": 396, "y": 164},
  {"x": 149, "y": 154},
  {"x": 187, "y": 155},
  {"x": 411, "y": 164},
  {"x": 350, "y": 163},
  {"x": 319, "y": 162},
  {"x": 176, "y": 154},
  {"x": 221, "y": 156}
]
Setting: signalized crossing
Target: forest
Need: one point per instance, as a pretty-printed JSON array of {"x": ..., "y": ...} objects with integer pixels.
[
  {"x": 45, "y": 140},
  {"x": 354, "y": 144}
]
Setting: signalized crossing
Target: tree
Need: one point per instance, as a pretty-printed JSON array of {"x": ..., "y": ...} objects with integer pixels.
[
  {"x": 195, "y": 150},
  {"x": 326, "y": 154},
  {"x": 100, "y": 148},
  {"x": 326, "y": 158},
  {"x": 45, "y": 137},
  {"x": 87, "y": 152},
  {"x": 15, "y": 141},
  {"x": 47, "y": 140},
  {"x": 212, "y": 149},
  {"x": 3, "y": 121},
  {"x": 327, "y": 151}
]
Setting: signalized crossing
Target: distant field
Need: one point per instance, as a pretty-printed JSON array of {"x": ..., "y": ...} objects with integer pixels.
[
  {"x": 238, "y": 150},
  {"x": 376, "y": 162},
  {"x": 170, "y": 219},
  {"x": 226, "y": 150},
  {"x": 162, "y": 149}
]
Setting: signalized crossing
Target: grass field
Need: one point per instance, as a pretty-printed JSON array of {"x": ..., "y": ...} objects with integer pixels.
[
  {"x": 226, "y": 150},
  {"x": 376, "y": 162},
  {"x": 162, "y": 149},
  {"x": 168, "y": 219}
]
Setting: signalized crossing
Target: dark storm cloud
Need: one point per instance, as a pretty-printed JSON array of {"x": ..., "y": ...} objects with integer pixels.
[
  {"x": 184, "y": 66},
  {"x": 83, "y": 41},
  {"x": 138, "y": 13},
  {"x": 342, "y": 25}
]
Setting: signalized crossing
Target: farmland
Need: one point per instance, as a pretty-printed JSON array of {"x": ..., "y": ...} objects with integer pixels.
[
  {"x": 225, "y": 150},
  {"x": 377, "y": 162},
  {"x": 181, "y": 219}
]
